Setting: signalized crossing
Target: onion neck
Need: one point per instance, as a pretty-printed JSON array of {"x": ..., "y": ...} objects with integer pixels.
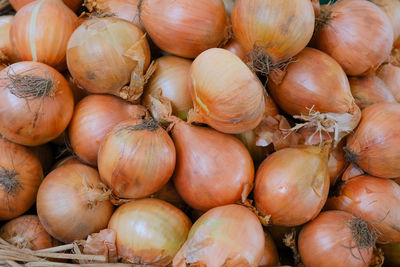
[
  {"x": 30, "y": 86},
  {"x": 325, "y": 15},
  {"x": 20, "y": 242},
  {"x": 9, "y": 181},
  {"x": 95, "y": 194},
  {"x": 363, "y": 233}
]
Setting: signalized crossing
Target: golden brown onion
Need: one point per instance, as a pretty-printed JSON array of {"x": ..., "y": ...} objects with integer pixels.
[
  {"x": 236, "y": 48},
  {"x": 7, "y": 54},
  {"x": 392, "y": 10},
  {"x": 390, "y": 74}
]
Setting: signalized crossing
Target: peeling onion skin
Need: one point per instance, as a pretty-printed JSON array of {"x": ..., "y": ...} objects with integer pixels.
[
  {"x": 230, "y": 235},
  {"x": 390, "y": 74}
]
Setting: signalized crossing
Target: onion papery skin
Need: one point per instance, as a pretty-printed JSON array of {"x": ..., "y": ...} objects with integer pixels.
[
  {"x": 27, "y": 232},
  {"x": 236, "y": 48},
  {"x": 357, "y": 34},
  {"x": 94, "y": 117},
  {"x": 21, "y": 174},
  {"x": 392, "y": 10},
  {"x": 369, "y": 90},
  {"x": 171, "y": 76},
  {"x": 390, "y": 74},
  {"x": 35, "y": 39},
  {"x": 149, "y": 231},
  {"x": 184, "y": 28},
  {"x": 74, "y": 5},
  {"x": 327, "y": 241},
  {"x": 71, "y": 203},
  {"x": 102, "y": 53},
  {"x": 229, "y": 100},
  {"x": 136, "y": 158},
  {"x": 270, "y": 257},
  {"x": 212, "y": 168},
  {"x": 280, "y": 30},
  {"x": 230, "y": 235},
  {"x": 7, "y": 54},
  {"x": 373, "y": 146},
  {"x": 292, "y": 185},
  {"x": 42, "y": 113},
  {"x": 392, "y": 254}
]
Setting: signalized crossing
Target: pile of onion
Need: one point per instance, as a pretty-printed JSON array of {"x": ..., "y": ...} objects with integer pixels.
[
  {"x": 37, "y": 103},
  {"x": 93, "y": 118},
  {"x": 184, "y": 28},
  {"x": 357, "y": 34},
  {"x": 212, "y": 168},
  {"x": 73, "y": 203},
  {"x": 7, "y": 54},
  {"x": 225, "y": 93},
  {"x": 149, "y": 231},
  {"x": 105, "y": 54},
  {"x": 229, "y": 235},
  {"x": 390, "y": 74},
  {"x": 72, "y": 4},
  {"x": 20, "y": 176}
]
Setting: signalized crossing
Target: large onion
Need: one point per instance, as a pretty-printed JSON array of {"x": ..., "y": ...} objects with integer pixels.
[
  {"x": 357, "y": 34},
  {"x": 72, "y": 203},
  {"x": 229, "y": 99},
  {"x": 72, "y": 4},
  {"x": 149, "y": 231},
  {"x": 212, "y": 168},
  {"x": 292, "y": 185},
  {"x": 37, "y": 103},
  {"x": 7, "y": 53},
  {"x": 390, "y": 74},
  {"x": 20, "y": 176},
  {"x": 224, "y": 236},
  {"x": 392, "y": 9},
  {"x": 93, "y": 118}
]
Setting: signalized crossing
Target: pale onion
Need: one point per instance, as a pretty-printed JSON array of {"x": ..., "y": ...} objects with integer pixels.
[
  {"x": 229, "y": 99},
  {"x": 390, "y": 74},
  {"x": 236, "y": 48},
  {"x": 7, "y": 54},
  {"x": 149, "y": 231},
  {"x": 72, "y": 4},
  {"x": 392, "y": 10}
]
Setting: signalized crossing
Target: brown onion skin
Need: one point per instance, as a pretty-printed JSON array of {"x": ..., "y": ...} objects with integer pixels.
[
  {"x": 212, "y": 168},
  {"x": 369, "y": 90},
  {"x": 373, "y": 146},
  {"x": 66, "y": 210},
  {"x": 236, "y": 48},
  {"x": 94, "y": 117},
  {"x": 327, "y": 241},
  {"x": 390, "y": 74},
  {"x": 27, "y": 232},
  {"x": 136, "y": 162},
  {"x": 34, "y": 121},
  {"x": 270, "y": 257},
  {"x": 7, "y": 54},
  {"x": 392, "y": 254},
  {"x": 392, "y": 10},
  {"x": 357, "y": 34},
  {"x": 166, "y": 229},
  {"x": 72, "y": 4},
  {"x": 184, "y": 28},
  {"x": 29, "y": 176}
]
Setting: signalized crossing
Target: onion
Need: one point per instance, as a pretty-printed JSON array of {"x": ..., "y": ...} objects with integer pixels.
[
  {"x": 72, "y": 4},
  {"x": 149, "y": 231},
  {"x": 27, "y": 232},
  {"x": 292, "y": 185},
  {"x": 351, "y": 171},
  {"x": 136, "y": 158},
  {"x": 270, "y": 257},
  {"x": 37, "y": 103},
  {"x": 40, "y": 32},
  {"x": 93, "y": 118},
  {"x": 212, "y": 168},
  {"x": 72, "y": 203},
  {"x": 45, "y": 156},
  {"x": 228, "y": 99},
  {"x": 390, "y": 74},
  {"x": 369, "y": 90},
  {"x": 170, "y": 81},
  {"x": 377, "y": 200},
  {"x": 357, "y": 34},
  {"x": 392, "y": 254},
  {"x": 169, "y": 194},
  {"x": 105, "y": 54},
  {"x": 336, "y": 238},
  {"x": 373, "y": 146},
  {"x": 20, "y": 177},
  {"x": 392, "y": 9},
  {"x": 6, "y": 50},
  {"x": 184, "y": 28},
  {"x": 229, "y": 235},
  {"x": 236, "y": 48},
  {"x": 316, "y": 88}
]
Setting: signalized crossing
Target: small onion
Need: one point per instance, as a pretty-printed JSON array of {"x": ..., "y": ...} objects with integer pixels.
[
  {"x": 390, "y": 74},
  {"x": 40, "y": 32},
  {"x": 7, "y": 54},
  {"x": 149, "y": 231},
  {"x": 72, "y": 203},
  {"x": 377, "y": 200},
  {"x": 292, "y": 185},
  {"x": 229, "y": 235},
  {"x": 336, "y": 238},
  {"x": 229, "y": 99},
  {"x": 20, "y": 176},
  {"x": 184, "y": 28},
  {"x": 93, "y": 118},
  {"x": 270, "y": 257},
  {"x": 37, "y": 103},
  {"x": 392, "y": 9},
  {"x": 357, "y": 34},
  {"x": 236, "y": 48},
  {"x": 392, "y": 254},
  {"x": 136, "y": 158},
  {"x": 72, "y": 4}
]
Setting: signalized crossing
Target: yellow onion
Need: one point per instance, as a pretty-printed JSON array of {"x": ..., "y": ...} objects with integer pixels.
[
  {"x": 390, "y": 74},
  {"x": 105, "y": 54},
  {"x": 270, "y": 257},
  {"x": 184, "y": 28},
  {"x": 20, "y": 176},
  {"x": 7, "y": 54},
  {"x": 236, "y": 48},
  {"x": 229, "y": 99},
  {"x": 292, "y": 185},
  {"x": 40, "y": 32},
  {"x": 229, "y": 235},
  {"x": 351, "y": 171},
  {"x": 357, "y": 34},
  {"x": 391, "y": 253},
  {"x": 72, "y": 4},
  {"x": 392, "y": 10}
]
